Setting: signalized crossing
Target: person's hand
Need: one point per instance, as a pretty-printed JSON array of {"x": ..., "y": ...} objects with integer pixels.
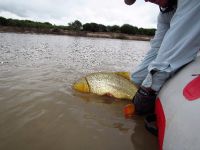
[
  {"x": 129, "y": 110},
  {"x": 129, "y": 2},
  {"x": 144, "y": 100}
]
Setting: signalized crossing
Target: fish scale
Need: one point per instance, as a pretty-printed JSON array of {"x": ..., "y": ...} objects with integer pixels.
[{"x": 111, "y": 84}]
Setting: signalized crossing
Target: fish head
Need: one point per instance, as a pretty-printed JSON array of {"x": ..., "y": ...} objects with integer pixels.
[{"x": 82, "y": 85}]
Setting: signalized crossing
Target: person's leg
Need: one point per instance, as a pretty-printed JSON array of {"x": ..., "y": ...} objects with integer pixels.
[{"x": 163, "y": 25}]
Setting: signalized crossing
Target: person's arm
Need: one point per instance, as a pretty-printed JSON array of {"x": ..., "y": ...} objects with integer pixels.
[{"x": 163, "y": 24}]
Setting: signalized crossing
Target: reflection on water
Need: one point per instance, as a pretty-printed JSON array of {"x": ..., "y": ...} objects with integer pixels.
[{"x": 38, "y": 108}]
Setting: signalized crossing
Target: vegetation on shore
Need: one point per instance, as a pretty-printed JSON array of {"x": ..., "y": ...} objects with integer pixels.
[{"x": 76, "y": 27}]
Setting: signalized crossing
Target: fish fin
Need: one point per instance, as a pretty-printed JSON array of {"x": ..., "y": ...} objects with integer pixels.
[{"x": 124, "y": 74}]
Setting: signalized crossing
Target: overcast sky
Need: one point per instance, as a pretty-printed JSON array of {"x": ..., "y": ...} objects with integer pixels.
[{"x": 61, "y": 12}]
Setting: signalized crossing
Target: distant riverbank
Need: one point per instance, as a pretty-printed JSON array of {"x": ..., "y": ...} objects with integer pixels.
[{"x": 110, "y": 35}]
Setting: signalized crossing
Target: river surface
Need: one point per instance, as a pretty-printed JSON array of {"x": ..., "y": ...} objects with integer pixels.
[{"x": 40, "y": 111}]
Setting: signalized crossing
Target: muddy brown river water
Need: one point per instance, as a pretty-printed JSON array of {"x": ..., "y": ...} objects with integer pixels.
[{"x": 40, "y": 111}]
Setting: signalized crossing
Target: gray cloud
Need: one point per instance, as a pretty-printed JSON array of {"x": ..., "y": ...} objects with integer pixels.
[
  {"x": 64, "y": 11},
  {"x": 25, "y": 8}
]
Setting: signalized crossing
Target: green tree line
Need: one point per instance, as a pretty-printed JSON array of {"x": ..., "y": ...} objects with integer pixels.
[{"x": 78, "y": 26}]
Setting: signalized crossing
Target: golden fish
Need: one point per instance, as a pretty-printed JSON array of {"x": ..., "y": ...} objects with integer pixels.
[{"x": 115, "y": 84}]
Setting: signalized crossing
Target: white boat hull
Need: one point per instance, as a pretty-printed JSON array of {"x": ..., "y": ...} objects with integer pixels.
[{"x": 178, "y": 110}]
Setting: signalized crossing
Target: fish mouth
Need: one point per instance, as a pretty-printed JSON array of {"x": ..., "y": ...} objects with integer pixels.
[{"x": 82, "y": 86}]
